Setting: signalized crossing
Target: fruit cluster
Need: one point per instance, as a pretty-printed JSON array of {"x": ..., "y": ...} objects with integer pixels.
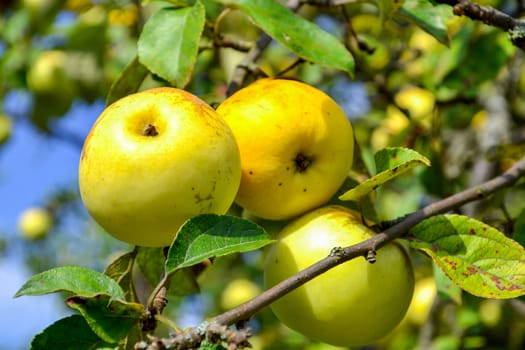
[{"x": 280, "y": 149}]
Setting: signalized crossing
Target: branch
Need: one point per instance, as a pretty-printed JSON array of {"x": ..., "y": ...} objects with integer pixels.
[
  {"x": 339, "y": 256},
  {"x": 219, "y": 40},
  {"x": 243, "y": 68},
  {"x": 217, "y": 328},
  {"x": 490, "y": 16}
]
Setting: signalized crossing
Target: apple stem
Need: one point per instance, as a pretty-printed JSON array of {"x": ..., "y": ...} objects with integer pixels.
[{"x": 150, "y": 130}]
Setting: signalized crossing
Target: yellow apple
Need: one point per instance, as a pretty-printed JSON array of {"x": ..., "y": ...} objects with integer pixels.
[
  {"x": 296, "y": 146},
  {"x": 237, "y": 292},
  {"x": 153, "y": 160},
  {"x": 352, "y": 304},
  {"x": 34, "y": 223},
  {"x": 417, "y": 101}
]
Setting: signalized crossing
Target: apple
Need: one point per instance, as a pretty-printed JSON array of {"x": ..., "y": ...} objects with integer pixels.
[
  {"x": 296, "y": 146},
  {"x": 154, "y": 159},
  {"x": 34, "y": 223},
  {"x": 6, "y": 125},
  {"x": 425, "y": 293},
  {"x": 53, "y": 88},
  {"x": 48, "y": 75},
  {"x": 491, "y": 312},
  {"x": 39, "y": 7},
  {"x": 353, "y": 304},
  {"x": 238, "y": 291},
  {"x": 417, "y": 101},
  {"x": 394, "y": 123}
]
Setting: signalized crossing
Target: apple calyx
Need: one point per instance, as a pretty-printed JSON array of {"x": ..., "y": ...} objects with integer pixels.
[
  {"x": 150, "y": 130},
  {"x": 302, "y": 162}
]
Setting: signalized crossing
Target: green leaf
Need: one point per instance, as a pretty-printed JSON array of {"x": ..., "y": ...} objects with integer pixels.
[
  {"x": 210, "y": 235},
  {"x": 151, "y": 262},
  {"x": 183, "y": 282},
  {"x": 128, "y": 82},
  {"x": 477, "y": 257},
  {"x": 299, "y": 35},
  {"x": 70, "y": 333},
  {"x": 174, "y": 2},
  {"x": 446, "y": 288},
  {"x": 208, "y": 345},
  {"x": 392, "y": 158},
  {"x": 169, "y": 43},
  {"x": 134, "y": 336},
  {"x": 110, "y": 319},
  {"x": 121, "y": 270},
  {"x": 72, "y": 279},
  {"x": 430, "y": 17},
  {"x": 387, "y": 8},
  {"x": 484, "y": 59},
  {"x": 16, "y": 26},
  {"x": 519, "y": 228},
  {"x": 390, "y": 163}
]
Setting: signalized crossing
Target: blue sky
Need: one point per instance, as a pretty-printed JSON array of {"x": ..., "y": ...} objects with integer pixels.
[{"x": 32, "y": 167}]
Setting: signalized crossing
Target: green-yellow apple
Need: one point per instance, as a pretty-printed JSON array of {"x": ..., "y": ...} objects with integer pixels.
[
  {"x": 491, "y": 312},
  {"x": 354, "y": 303},
  {"x": 39, "y": 7},
  {"x": 425, "y": 293},
  {"x": 48, "y": 75},
  {"x": 154, "y": 159},
  {"x": 238, "y": 291},
  {"x": 53, "y": 88},
  {"x": 6, "y": 125},
  {"x": 296, "y": 146},
  {"x": 34, "y": 223}
]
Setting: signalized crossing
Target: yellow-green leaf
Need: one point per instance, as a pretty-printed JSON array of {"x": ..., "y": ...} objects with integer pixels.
[
  {"x": 390, "y": 163},
  {"x": 477, "y": 257}
]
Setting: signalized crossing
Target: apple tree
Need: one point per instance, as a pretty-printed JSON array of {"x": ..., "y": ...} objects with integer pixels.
[{"x": 434, "y": 91}]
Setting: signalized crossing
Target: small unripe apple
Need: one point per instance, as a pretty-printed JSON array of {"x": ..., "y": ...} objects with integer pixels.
[
  {"x": 6, "y": 125},
  {"x": 153, "y": 160},
  {"x": 417, "y": 101},
  {"x": 491, "y": 312},
  {"x": 48, "y": 76},
  {"x": 425, "y": 293},
  {"x": 353, "y": 304},
  {"x": 39, "y": 7},
  {"x": 35, "y": 223},
  {"x": 237, "y": 292}
]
